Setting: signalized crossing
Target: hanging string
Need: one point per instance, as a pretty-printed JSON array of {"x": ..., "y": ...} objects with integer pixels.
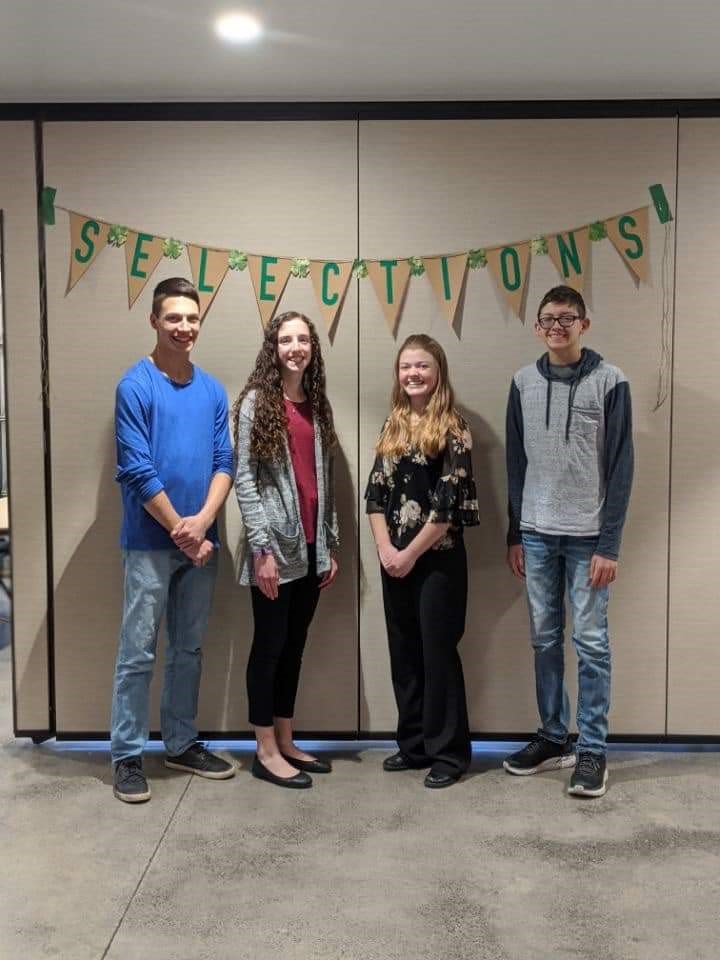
[{"x": 665, "y": 324}]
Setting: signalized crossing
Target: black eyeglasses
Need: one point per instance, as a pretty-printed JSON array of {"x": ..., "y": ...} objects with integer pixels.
[{"x": 548, "y": 320}]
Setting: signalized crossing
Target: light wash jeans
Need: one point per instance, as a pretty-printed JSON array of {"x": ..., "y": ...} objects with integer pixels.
[
  {"x": 550, "y": 562},
  {"x": 157, "y": 582}
]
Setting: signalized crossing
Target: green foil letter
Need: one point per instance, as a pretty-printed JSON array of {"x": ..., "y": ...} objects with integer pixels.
[
  {"x": 510, "y": 253},
  {"x": 446, "y": 278},
  {"x": 569, "y": 256},
  {"x": 203, "y": 286},
  {"x": 388, "y": 265},
  {"x": 623, "y": 224},
  {"x": 139, "y": 255},
  {"x": 266, "y": 278},
  {"x": 90, "y": 226},
  {"x": 328, "y": 299}
]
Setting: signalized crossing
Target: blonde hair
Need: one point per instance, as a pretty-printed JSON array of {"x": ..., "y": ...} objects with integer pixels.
[{"x": 429, "y": 436}]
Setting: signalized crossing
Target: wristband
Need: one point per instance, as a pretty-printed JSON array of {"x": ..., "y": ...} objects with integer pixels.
[{"x": 262, "y": 552}]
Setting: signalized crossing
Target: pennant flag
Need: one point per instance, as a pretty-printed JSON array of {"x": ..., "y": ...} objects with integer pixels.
[
  {"x": 330, "y": 280},
  {"x": 390, "y": 281},
  {"x": 208, "y": 270},
  {"x": 87, "y": 239},
  {"x": 509, "y": 266},
  {"x": 143, "y": 252},
  {"x": 629, "y": 235},
  {"x": 447, "y": 276},
  {"x": 269, "y": 278},
  {"x": 569, "y": 252}
]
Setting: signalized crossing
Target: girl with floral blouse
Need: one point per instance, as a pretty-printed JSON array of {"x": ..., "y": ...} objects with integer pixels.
[{"x": 419, "y": 497}]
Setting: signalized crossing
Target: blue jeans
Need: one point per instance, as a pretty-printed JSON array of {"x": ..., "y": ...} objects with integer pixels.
[
  {"x": 550, "y": 562},
  {"x": 157, "y": 582}
]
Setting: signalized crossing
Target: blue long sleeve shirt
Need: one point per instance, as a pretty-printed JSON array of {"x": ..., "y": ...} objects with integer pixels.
[{"x": 172, "y": 437}]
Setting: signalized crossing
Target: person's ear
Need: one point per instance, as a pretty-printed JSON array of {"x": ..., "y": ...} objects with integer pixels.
[
  {"x": 153, "y": 321},
  {"x": 584, "y": 323}
]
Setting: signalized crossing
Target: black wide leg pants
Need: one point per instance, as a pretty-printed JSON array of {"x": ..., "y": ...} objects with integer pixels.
[{"x": 425, "y": 615}]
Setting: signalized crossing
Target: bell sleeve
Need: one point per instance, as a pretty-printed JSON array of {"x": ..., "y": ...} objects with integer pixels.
[{"x": 454, "y": 499}]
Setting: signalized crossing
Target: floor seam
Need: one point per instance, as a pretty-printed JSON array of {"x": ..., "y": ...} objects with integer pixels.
[{"x": 147, "y": 867}]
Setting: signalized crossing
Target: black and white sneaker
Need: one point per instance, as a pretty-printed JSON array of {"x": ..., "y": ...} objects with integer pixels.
[
  {"x": 129, "y": 783},
  {"x": 540, "y": 754},
  {"x": 198, "y": 759},
  {"x": 590, "y": 776}
]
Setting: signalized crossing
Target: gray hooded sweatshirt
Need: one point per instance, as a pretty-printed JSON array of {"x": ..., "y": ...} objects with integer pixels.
[{"x": 570, "y": 451}]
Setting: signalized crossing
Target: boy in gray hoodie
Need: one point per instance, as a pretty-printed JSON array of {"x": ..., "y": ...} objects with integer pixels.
[{"x": 569, "y": 465}]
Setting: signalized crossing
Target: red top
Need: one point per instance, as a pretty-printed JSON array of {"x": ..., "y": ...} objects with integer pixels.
[{"x": 301, "y": 441}]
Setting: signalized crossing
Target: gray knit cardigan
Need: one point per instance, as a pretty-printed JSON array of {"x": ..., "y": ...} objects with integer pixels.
[{"x": 268, "y": 500}]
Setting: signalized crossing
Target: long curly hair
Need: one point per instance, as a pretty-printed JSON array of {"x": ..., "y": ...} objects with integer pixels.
[
  {"x": 269, "y": 430},
  {"x": 440, "y": 418}
]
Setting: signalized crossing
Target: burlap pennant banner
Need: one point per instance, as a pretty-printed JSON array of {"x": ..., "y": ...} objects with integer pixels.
[
  {"x": 209, "y": 268},
  {"x": 390, "y": 282},
  {"x": 569, "y": 252},
  {"x": 269, "y": 278},
  {"x": 87, "y": 238},
  {"x": 447, "y": 277},
  {"x": 629, "y": 236},
  {"x": 510, "y": 268},
  {"x": 143, "y": 252},
  {"x": 330, "y": 280}
]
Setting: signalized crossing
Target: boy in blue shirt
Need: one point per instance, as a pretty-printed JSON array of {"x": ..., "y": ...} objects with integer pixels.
[
  {"x": 175, "y": 467},
  {"x": 570, "y": 467}
]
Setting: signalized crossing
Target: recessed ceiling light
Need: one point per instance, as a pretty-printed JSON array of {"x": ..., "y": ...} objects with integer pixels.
[{"x": 238, "y": 27}]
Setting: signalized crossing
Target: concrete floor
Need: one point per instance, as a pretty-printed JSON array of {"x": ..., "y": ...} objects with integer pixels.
[{"x": 365, "y": 866}]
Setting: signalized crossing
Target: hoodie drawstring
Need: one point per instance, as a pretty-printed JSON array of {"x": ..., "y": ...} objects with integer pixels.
[
  {"x": 571, "y": 397},
  {"x": 547, "y": 404}
]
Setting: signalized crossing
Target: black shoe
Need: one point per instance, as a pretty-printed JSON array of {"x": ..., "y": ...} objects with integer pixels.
[
  {"x": 309, "y": 766},
  {"x": 298, "y": 782},
  {"x": 400, "y": 761},
  {"x": 129, "y": 783},
  {"x": 540, "y": 754},
  {"x": 198, "y": 759},
  {"x": 590, "y": 776},
  {"x": 437, "y": 779}
]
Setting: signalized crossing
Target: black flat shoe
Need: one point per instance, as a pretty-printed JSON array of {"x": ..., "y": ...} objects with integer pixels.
[
  {"x": 400, "y": 761},
  {"x": 438, "y": 779},
  {"x": 309, "y": 766},
  {"x": 298, "y": 782}
]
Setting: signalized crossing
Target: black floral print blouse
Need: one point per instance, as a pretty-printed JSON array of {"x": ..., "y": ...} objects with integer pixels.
[{"x": 414, "y": 489}]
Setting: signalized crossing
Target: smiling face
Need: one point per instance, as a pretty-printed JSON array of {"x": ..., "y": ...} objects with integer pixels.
[
  {"x": 177, "y": 325},
  {"x": 561, "y": 339},
  {"x": 294, "y": 348},
  {"x": 417, "y": 375}
]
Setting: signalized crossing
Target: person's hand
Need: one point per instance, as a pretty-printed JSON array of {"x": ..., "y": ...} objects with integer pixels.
[
  {"x": 387, "y": 555},
  {"x": 329, "y": 575},
  {"x": 266, "y": 575},
  {"x": 401, "y": 564},
  {"x": 200, "y": 554},
  {"x": 602, "y": 571},
  {"x": 515, "y": 559},
  {"x": 189, "y": 532}
]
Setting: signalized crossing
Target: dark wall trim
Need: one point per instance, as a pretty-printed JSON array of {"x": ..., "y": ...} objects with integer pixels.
[{"x": 371, "y": 110}]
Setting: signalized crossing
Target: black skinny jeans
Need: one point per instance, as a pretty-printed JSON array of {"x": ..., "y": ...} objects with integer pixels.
[
  {"x": 425, "y": 615},
  {"x": 281, "y": 628}
]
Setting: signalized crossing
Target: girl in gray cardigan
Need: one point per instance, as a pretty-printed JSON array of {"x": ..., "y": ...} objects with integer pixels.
[{"x": 284, "y": 444}]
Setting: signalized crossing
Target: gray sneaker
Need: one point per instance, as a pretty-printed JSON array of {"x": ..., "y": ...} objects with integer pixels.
[
  {"x": 540, "y": 754},
  {"x": 590, "y": 776},
  {"x": 129, "y": 783},
  {"x": 198, "y": 759}
]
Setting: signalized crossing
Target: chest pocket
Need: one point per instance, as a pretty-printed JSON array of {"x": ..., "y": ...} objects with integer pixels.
[{"x": 586, "y": 421}]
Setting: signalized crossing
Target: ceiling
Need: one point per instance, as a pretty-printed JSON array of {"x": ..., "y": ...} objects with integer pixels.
[{"x": 320, "y": 50}]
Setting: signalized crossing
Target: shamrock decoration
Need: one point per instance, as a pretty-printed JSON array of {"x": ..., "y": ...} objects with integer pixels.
[
  {"x": 117, "y": 235},
  {"x": 237, "y": 260},
  {"x": 477, "y": 258},
  {"x": 538, "y": 246},
  {"x": 417, "y": 267},
  {"x": 172, "y": 248},
  {"x": 597, "y": 231},
  {"x": 360, "y": 269},
  {"x": 300, "y": 267}
]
